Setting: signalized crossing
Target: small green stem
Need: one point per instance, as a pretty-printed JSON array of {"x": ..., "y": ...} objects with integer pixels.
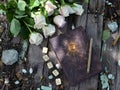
[
  {"x": 27, "y": 26},
  {"x": 62, "y": 2}
]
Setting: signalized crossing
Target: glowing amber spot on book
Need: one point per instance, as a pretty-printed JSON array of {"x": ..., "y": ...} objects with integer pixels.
[{"x": 72, "y": 47}]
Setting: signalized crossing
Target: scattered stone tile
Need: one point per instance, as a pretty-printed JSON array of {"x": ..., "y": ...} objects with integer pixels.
[
  {"x": 45, "y": 58},
  {"x": 55, "y": 72},
  {"x": 49, "y": 65},
  {"x": 58, "y": 81},
  {"x": 44, "y": 50}
]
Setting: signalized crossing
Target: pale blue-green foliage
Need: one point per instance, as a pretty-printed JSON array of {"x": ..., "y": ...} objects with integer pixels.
[
  {"x": 105, "y": 78},
  {"x": 2, "y": 12},
  {"x": 104, "y": 81},
  {"x": 21, "y": 5}
]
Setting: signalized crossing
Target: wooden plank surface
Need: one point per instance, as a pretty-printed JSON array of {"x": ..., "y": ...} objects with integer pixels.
[
  {"x": 92, "y": 22},
  {"x": 93, "y": 26}
]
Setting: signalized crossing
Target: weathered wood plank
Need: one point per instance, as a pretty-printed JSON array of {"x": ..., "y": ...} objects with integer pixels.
[
  {"x": 94, "y": 29},
  {"x": 110, "y": 56}
]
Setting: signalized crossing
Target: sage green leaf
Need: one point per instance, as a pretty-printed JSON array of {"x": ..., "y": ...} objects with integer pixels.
[
  {"x": 34, "y": 3},
  {"x": 15, "y": 27},
  {"x": 106, "y": 35},
  {"x": 24, "y": 33},
  {"x": 20, "y": 16},
  {"x": 2, "y": 7},
  {"x": 18, "y": 12},
  {"x": 86, "y": 1},
  {"x": 21, "y": 5}
]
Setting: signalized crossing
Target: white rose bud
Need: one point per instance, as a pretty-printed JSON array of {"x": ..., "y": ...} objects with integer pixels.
[
  {"x": 59, "y": 20},
  {"x": 48, "y": 30},
  {"x": 66, "y": 10},
  {"x": 35, "y": 38},
  {"x": 49, "y": 6},
  {"x": 78, "y": 9},
  {"x": 39, "y": 21}
]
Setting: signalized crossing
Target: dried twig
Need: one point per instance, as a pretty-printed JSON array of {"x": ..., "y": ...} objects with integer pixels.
[
  {"x": 89, "y": 57},
  {"x": 116, "y": 40}
]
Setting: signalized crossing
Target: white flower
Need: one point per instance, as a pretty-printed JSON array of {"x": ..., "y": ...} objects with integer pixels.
[
  {"x": 78, "y": 9},
  {"x": 39, "y": 21},
  {"x": 66, "y": 10},
  {"x": 48, "y": 30},
  {"x": 35, "y": 38},
  {"x": 49, "y": 6},
  {"x": 59, "y": 20}
]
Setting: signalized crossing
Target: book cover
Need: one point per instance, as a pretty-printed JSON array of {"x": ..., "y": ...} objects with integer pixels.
[{"x": 71, "y": 49}]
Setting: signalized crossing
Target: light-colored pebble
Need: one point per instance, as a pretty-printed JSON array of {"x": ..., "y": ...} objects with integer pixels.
[
  {"x": 24, "y": 71},
  {"x": 58, "y": 66},
  {"x": 31, "y": 70},
  {"x": 0, "y": 40},
  {"x": 118, "y": 62},
  {"x": 6, "y": 81},
  {"x": 50, "y": 77},
  {"x": 16, "y": 82}
]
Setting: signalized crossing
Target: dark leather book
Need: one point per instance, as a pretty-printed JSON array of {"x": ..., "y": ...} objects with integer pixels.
[{"x": 72, "y": 50}]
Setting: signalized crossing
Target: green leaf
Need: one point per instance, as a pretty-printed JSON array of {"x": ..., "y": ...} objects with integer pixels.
[
  {"x": 24, "y": 33},
  {"x": 29, "y": 21},
  {"x": 2, "y": 7},
  {"x": 20, "y": 16},
  {"x": 9, "y": 16},
  {"x": 34, "y": 3},
  {"x": 20, "y": 12},
  {"x": 15, "y": 27},
  {"x": 86, "y": 1},
  {"x": 21, "y": 5},
  {"x": 11, "y": 6},
  {"x": 106, "y": 34}
]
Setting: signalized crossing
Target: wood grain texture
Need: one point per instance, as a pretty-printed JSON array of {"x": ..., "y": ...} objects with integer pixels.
[{"x": 94, "y": 28}]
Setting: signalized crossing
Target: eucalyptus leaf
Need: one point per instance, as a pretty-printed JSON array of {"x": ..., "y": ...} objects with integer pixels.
[
  {"x": 11, "y": 6},
  {"x": 19, "y": 16},
  {"x": 19, "y": 12},
  {"x": 24, "y": 33},
  {"x": 2, "y": 7},
  {"x": 15, "y": 27},
  {"x": 86, "y": 1},
  {"x": 29, "y": 21},
  {"x": 9, "y": 16},
  {"x": 21, "y": 5},
  {"x": 106, "y": 35},
  {"x": 34, "y": 3},
  {"x": 104, "y": 81}
]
